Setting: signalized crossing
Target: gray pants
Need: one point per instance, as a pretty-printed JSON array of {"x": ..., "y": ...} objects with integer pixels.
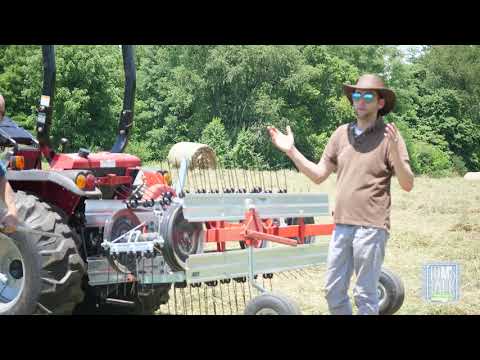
[{"x": 356, "y": 248}]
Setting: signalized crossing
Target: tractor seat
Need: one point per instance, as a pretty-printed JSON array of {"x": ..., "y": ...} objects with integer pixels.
[{"x": 9, "y": 129}]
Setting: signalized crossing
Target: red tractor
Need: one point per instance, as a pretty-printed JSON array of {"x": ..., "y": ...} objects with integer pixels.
[
  {"x": 47, "y": 274},
  {"x": 93, "y": 212}
]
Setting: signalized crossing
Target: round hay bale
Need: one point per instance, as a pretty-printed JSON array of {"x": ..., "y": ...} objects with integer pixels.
[
  {"x": 472, "y": 176},
  {"x": 199, "y": 156}
]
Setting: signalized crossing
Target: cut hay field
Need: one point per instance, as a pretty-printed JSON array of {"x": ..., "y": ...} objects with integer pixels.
[{"x": 439, "y": 220}]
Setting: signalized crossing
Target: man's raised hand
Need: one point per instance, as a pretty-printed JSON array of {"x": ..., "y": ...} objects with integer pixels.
[{"x": 283, "y": 142}]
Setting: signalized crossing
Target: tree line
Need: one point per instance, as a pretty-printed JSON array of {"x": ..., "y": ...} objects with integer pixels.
[{"x": 226, "y": 95}]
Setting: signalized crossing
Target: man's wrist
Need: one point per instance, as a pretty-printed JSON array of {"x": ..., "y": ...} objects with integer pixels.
[{"x": 290, "y": 151}]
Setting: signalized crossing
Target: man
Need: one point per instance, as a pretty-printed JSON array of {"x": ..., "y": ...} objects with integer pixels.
[
  {"x": 365, "y": 154},
  {"x": 9, "y": 219}
]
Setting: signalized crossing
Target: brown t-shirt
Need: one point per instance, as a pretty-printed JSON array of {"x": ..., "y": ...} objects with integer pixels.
[{"x": 364, "y": 169}]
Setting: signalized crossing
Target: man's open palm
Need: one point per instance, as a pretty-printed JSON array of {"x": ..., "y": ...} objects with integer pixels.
[{"x": 280, "y": 140}]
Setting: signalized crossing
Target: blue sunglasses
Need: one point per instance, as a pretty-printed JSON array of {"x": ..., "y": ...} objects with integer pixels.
[{"x": 368, "y": 97}]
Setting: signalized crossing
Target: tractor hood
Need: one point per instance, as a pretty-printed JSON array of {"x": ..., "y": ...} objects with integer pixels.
[{"x": 94, "y": 161}]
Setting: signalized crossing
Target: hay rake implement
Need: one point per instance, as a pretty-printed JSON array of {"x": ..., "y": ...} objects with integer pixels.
[{"x": 161, "y": 239}]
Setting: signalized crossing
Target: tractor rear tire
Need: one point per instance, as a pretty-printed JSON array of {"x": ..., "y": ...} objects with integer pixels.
[
  {"x": 50, "y": 269},
  {"x": 271, "y": 304}
]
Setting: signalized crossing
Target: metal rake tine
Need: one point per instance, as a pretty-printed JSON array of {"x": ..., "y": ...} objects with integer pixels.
[
  {"x": 191, "y": 298},
  {"x": 206, "y": 299},
  {"x": 225, "y": 178},
  {"x": 229, "y": 299},
  {"x": 221, "y": 298},
  {"x": 199, "y": 178},
  {"x": 235, "y": 294},
  {"x": 202, "y": 178},
  {"x": 199, "y": 301},
  {"x": 210, "y": 181},
  {"x": 247, "y": 186},
  {"x": 213, "y": 300},
  {"x": 243, "y": 293},
  {"x": 175, "y": 298},
  {"x": 254, "y": 177},
  {"x": 262, "y": 180},
  {"x": 278, "y": 183},
  {"x": 168, "y": 305},
  {"x": 219, "y": 186},
  {"x": 232, "y": 183},
  {"x": 182, "y": 292},
  {"x": 192, "y": 181},
  {"x": 206, "y": 179},
  {"x": 237, "y": 179},
  {"x": 222, "y": 179}
]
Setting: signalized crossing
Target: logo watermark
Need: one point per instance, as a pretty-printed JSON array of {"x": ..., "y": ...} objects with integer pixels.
[{"x": 441, "y": 282}]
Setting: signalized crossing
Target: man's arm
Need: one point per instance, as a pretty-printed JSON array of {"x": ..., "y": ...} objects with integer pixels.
[
  {"x": 318, "y": 173},
  {"x": 9, "y": 220},
  {"x": 7, "y": 195},
  {"x": 399, "y": 157},
  {"x": 403, "y": 172}
]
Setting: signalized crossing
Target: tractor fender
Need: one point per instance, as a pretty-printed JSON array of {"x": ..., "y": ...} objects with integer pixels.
[{"x": 64, "y": 178}]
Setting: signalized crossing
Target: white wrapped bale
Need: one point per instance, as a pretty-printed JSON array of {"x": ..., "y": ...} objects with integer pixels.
[
  {"x": 472, "y": 176},
  {"x": 199, "y": 156}
]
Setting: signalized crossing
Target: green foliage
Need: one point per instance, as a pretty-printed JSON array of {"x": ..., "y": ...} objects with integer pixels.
[
  {"x": 140, "y": 149},
  {"x": 216, "y": 137},
  {"x": 243, "y": 153},
  {"x": 430, "y": 160},
  {"x": 226, "y": 96}
]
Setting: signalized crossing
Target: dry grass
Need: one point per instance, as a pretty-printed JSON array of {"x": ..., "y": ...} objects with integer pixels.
[{"x": 438, "y": 221}]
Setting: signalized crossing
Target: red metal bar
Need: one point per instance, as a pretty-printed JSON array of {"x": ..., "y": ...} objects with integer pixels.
[
  {"x": 255, "y": 235},
  {"x": 301, "y": 230},
  {"x": 112, "y": 179},
  {"x": 225, "y": 234}
]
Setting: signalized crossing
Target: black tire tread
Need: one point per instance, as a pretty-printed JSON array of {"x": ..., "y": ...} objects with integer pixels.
[
  {"x": 395, "y": 290},
  {"x": 62, "y": 268},
  {"x": 278, "y": 302}
]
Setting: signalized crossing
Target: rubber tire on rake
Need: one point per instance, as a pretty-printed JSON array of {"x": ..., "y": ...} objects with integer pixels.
[
  {"x": 52, "y": 267},
  {"x": 272, "y": 304},
  {"x": 122, "y": 222},
  {"x": 172, "y": 228},
  {"x": 146, "y": 301},
  {"x": 394, "y": 293}
]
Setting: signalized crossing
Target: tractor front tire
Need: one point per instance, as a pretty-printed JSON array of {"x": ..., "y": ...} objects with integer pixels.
[{"x": 48, "y": 270}]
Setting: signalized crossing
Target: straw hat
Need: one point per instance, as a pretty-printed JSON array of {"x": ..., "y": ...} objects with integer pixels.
[{"x": 372, "y": 82}]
